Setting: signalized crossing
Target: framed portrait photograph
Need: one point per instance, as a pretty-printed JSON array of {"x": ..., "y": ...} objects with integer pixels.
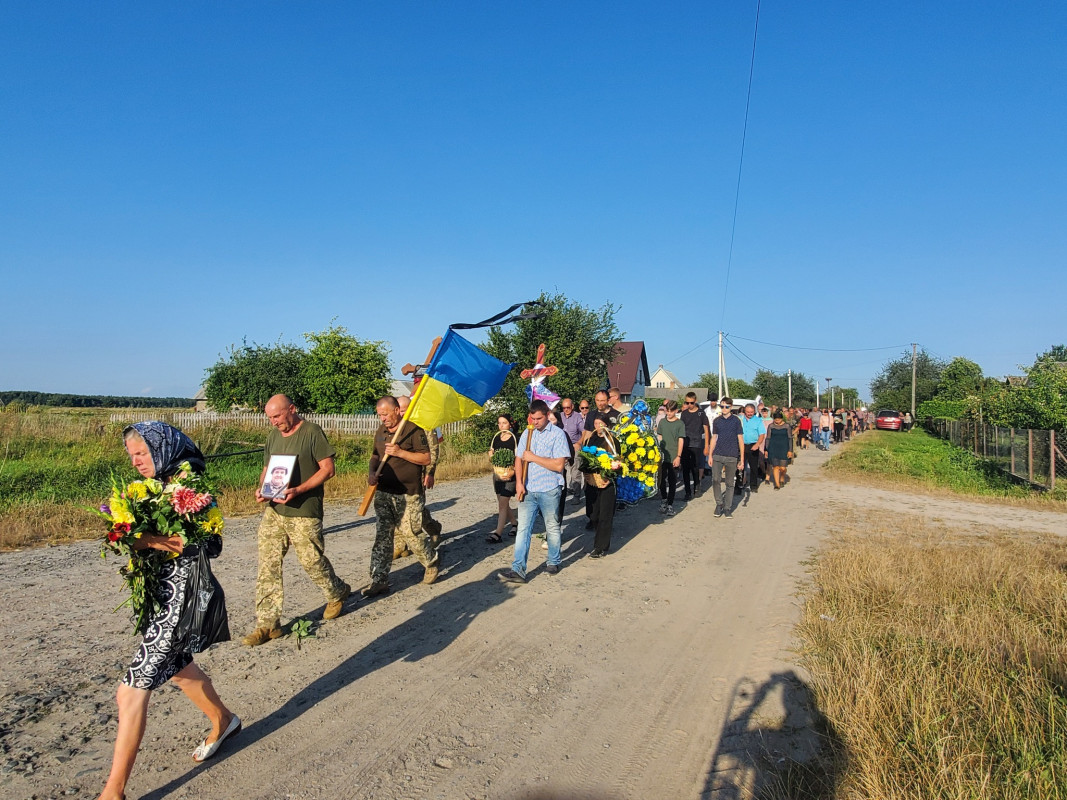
[{"x": 279, "y": 473}]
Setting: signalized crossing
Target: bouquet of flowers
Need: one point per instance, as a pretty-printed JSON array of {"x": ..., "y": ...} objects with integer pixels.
[
  {"x": 598, "y": 462},
  {"x": 640, "y": 456},
  {"x": 185, "y": 507},
  {"x": 503, "y": 461}
]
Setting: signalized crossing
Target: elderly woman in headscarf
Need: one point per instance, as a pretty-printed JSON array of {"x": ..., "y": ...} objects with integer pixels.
[{"x": 158, "y": 450}]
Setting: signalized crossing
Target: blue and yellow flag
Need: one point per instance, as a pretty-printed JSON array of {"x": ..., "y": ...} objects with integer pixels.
[{"x": 459, "y": 381}]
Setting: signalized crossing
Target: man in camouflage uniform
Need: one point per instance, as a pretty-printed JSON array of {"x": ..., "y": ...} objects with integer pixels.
[
  {"x": 293, "y": 517},
  {"x": 431, "y": 526},
  {"x": 398, "y": 501}
]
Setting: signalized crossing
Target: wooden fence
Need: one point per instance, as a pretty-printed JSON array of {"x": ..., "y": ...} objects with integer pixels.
[
  {"x": 1034, "y": 456},
  {"x": 350, "y": 424}
]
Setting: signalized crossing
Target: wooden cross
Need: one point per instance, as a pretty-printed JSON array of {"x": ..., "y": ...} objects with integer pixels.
[{"x": 539, "y": 371}]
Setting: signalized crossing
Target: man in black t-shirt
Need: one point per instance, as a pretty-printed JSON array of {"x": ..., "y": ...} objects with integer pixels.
[
  {"x": 696, "y": 444},
  {"x": 602, "y": 411}
]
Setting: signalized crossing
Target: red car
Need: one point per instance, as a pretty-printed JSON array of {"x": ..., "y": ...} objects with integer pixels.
[{"x": 889, "y": 421}]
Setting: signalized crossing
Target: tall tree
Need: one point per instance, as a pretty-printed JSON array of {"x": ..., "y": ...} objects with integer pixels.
[
  {"x": 578, "y": 340},
  {"x": 343, "y": 374},
  {"x": 774, "y": 388},
  {"x": 248, "y": 375},
  {"x": 960, "y": 379},
  {"x": 891, "y": 388}
]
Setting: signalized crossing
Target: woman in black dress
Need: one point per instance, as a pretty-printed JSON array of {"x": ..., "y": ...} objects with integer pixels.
[
  {"x": 503, "y": 486},
  {"x": 157, "y": 450},
  {"x": 779, "y": 448},
  {"x": 602, "y": 493}
]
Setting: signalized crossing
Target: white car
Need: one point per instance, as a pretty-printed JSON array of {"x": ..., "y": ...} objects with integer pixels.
[{"x": 711, "y": 410}]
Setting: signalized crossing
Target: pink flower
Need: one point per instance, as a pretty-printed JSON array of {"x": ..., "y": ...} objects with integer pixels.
[{"x": 186, "y": 501}]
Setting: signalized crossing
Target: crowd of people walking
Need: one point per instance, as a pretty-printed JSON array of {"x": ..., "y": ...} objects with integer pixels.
[{"x": 741, "y": 447}]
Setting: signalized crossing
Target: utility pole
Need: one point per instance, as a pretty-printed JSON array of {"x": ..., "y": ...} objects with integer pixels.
[
  {"x": 789, "y": 373},
  {"x": 817, "y": 403},
  {"x": 830, "y": 389},
  {"x": 913, "y": 380}
]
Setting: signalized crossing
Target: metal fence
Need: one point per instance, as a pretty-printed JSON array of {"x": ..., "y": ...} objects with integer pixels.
[
  {"x": 351, "y": 424},
  {"x": 1035, "y": 456}
]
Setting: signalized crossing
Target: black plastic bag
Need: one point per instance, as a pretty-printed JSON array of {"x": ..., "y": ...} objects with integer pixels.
[
  {"x": 203, "y": 621},
  {"x": 739, "y": 480}
]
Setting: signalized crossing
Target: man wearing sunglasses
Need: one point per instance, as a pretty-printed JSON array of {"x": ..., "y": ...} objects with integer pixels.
[
  {"x": 697, "y": 440},
  {"x": 727, "y": 456}
]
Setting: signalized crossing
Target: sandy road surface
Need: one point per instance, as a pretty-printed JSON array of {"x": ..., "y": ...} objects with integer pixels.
[{"x": 660, "y": 671}]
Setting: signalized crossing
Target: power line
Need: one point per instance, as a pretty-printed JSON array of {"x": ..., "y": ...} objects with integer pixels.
[
  {"x": 740, "y": 165},
  {"x": 745, "y": 357},
  {"x": 823, "y": 349},
  {"x": 687, "y": 352}
]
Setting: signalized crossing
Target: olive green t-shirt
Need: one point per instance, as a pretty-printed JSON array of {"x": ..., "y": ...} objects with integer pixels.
[
  {"x": 310, "y": 446},
  {"x": 670, "y": 432}
]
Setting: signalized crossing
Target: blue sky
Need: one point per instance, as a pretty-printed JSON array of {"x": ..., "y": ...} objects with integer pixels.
[{"x": 177, "y": 178}]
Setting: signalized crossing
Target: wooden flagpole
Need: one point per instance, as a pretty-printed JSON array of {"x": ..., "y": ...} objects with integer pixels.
[{"x": 368, "y": 496}]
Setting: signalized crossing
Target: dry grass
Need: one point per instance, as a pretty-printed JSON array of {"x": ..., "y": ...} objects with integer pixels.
[{"x": 939, "y": 658}]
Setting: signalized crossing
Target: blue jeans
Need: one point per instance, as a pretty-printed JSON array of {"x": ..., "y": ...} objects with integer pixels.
[
  {"x": 548, "y": 504},
  {"x": 825, "y": 439}
]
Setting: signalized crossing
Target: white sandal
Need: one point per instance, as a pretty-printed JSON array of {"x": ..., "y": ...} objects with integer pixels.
[{"x": 206, "y": 751}]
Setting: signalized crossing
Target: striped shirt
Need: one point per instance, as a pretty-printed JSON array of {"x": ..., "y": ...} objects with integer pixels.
[{"x": 549, "y": 443}]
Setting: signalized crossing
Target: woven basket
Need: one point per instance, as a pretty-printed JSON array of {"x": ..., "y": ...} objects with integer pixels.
[
  {"x": 597, "y": 480},
  {"x": 504, "y": 473}
]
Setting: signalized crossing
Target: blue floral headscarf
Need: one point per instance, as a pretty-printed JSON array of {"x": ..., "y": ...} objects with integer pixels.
[{"x": 168, "y": 446}]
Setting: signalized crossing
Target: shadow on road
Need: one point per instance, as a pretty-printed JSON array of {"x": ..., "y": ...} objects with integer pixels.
[
  {"x": 775, "y": 744},
  {"x": 437, "y": 624}
]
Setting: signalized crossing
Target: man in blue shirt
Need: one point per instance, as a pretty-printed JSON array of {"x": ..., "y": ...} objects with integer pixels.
[
  {"x": 755, "y": 431},
  {"x": 540, "y": 458}
]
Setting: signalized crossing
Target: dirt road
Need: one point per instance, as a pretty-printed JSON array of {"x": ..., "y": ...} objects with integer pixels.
[{"x": 661, "y": 671}]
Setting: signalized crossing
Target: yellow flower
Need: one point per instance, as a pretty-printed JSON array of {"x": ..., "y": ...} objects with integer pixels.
[
  {"x": 650, "y": 442},
  {"x": 137, "y": 491},
  {"x": 649, "y": 467},
  {"x": 642, "y": 452},
  {"x": 153, "y": 486},
  {"x": 633, "y": 457},
  {"x": 213, "y": 522},
  {"x": 120, "y": 511},
  {"x": 633, "y": 437}
]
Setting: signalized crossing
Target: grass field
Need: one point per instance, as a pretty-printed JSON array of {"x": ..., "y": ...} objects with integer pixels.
[
  {"x": 56, "y": 462},
  {"x": 939, "y": 660},
  {"x": 919, "y": 460}
]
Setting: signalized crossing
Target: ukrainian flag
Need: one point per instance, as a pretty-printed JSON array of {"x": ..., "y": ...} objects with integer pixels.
[{"x": 459, "y": 381}]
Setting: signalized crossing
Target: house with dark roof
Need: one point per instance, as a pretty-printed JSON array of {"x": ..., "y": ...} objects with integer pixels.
[{"x": 628, "y": 371}]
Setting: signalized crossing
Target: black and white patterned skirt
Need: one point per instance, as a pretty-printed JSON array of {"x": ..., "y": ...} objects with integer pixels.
[{"x": 156, "y": 661}]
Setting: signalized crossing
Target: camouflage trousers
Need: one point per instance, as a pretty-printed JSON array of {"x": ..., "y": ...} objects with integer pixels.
[
  {"x": 401, "y": 513},
  {"x": 276, "y": 533},
  {"x": 429, "y": 526}
]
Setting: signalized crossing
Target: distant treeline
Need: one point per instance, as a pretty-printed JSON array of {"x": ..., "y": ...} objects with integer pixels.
[{"x": 93, "y": 400}]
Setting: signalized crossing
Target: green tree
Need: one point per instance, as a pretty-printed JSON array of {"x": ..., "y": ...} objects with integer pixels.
[
  {"x": 578, "y": 340},
  {"x": 707, "y": 380},
  {"x": 342, "y": 374},
  {"x": 891, "y": 388},
  {"x": 250, "y": 374},
  {"x": 774, "y": 388},
  {"x": 741, "y": 388},
  {"x": 961, "y": 378},
  {"x": 1058, "y": 352},
  {"x": 1041, "y": 403}
]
